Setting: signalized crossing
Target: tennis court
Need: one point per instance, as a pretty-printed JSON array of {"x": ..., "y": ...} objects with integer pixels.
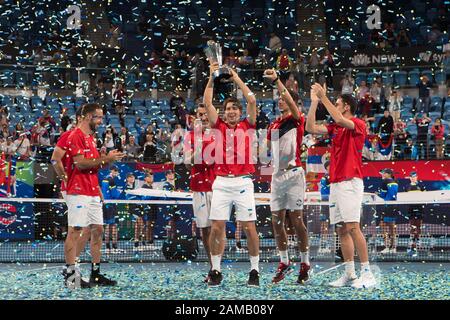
[
  {"x": 31, "y": 269},
  {"x": 184, "y": 281}
]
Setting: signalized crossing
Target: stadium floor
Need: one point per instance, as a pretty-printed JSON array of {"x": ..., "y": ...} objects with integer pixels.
[{"x": 183, "y": 281}]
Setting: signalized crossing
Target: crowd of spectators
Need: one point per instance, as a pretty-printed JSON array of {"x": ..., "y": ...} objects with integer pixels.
[
  {"x": 154, "y": 144},
  {"x": 391, "y": 36}
]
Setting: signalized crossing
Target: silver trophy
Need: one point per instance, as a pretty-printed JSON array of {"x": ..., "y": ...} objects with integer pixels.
[{"x": 213, "y": 52}]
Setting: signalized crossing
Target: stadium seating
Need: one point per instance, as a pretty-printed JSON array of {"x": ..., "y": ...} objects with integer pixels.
[
  {"x": 436, "y": 104},
  {"x": 400, "y": 78},
  {"x": 136, "y": 102},
  {"x": 440, "y": 77},
  {"x": 387, "y": 78},
  {"x": 414, "y": 77},
  {"x": 407, "y": 100},
  {"x": 412, "y": 129},
  {"x": 130, "y": 80},
  {"x": 371, "y": 77},
  {"x": 434, "y": 115}
]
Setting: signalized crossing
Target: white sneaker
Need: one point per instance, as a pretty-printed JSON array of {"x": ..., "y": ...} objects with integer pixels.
[
  {"x": 385, "y": 251},
  {"x": 393, "y": 250},
  {"x": 344, "y": 281},
  {"x": 367, "y": 280},
  {"x": 152, "y": 247}
]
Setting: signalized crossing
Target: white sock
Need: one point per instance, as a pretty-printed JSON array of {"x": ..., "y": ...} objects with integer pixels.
[
  {"x": 254, "y": 263},
  {"x": 284, "y": 257},
  {"x": 215, "y": 260},
  {"x": 350, "y": 269},
  {"x": 304, "y": 256},
  {"x": 365, "y": 267}
]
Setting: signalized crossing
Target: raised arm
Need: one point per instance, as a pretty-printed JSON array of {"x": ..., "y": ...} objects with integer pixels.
[
  {"x": 311, "y": 125},
  {"x": 272, "y": 75},
  {"x": 332, "y": 110},
  {"x": 211, "y": 111},
  {"x": 249, "y": 96}
]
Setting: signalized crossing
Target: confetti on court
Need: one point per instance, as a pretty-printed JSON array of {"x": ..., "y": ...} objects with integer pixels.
[{"x": 184, "y": 282}]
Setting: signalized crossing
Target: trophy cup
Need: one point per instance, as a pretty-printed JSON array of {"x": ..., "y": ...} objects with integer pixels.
[{"x": 213, "y": 52}]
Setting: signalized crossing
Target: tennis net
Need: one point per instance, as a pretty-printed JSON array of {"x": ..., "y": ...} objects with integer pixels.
[{"x": 33, "y": 230}]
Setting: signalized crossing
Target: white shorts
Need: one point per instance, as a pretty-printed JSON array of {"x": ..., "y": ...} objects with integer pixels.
[
  {"x": 201, "y": 202},
  {"x": 287, "y": 190},
  {"x": 228, "y": 191},
  {"x": 346, "y": 199},
  {"x": 84, "y": 210}
]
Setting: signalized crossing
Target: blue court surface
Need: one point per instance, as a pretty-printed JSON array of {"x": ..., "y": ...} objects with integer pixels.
[{"x": 183, "y": 281}]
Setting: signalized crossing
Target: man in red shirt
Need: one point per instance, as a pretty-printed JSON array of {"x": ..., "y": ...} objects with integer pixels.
[
  {"x": 347, "y": 134},
  {"x": 62, "y": 163},
  {"x": 233, "y": 166},
  {"x": 83, "y": 195},
  {"x": 202, "y": 174},
  {"x": 288, "y": 186}
]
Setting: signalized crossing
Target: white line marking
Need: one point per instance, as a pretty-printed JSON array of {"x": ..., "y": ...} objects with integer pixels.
[
  {"x": 329, "y": 269},
  {"x": 39, "y": 269}
]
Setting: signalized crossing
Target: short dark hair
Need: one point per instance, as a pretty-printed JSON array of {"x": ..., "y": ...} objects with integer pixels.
[
  {"x": 78, "y": 112},
  {"x": 350, "y": 100},
  {"x": 90, "y": 108},
  {"x": 200, "y": 105},
  {"x": 149, "y": 174},
  {"x": 234, "y": 101}
]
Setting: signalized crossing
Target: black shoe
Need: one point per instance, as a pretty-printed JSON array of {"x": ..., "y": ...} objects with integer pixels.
[
  {"x": 338, "y": 255},
  {"x": 239, "y": 245},
  {"x": 108, "y": 246},
  {"x": 215, "y": 278},
  {"x": 206, "y": 280},
  {"x": 114, "y": 246},
  {"x": 64, "y": 271},
  {"x": 253, "y": 280},
  {"x": 101, "y": 280}
]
